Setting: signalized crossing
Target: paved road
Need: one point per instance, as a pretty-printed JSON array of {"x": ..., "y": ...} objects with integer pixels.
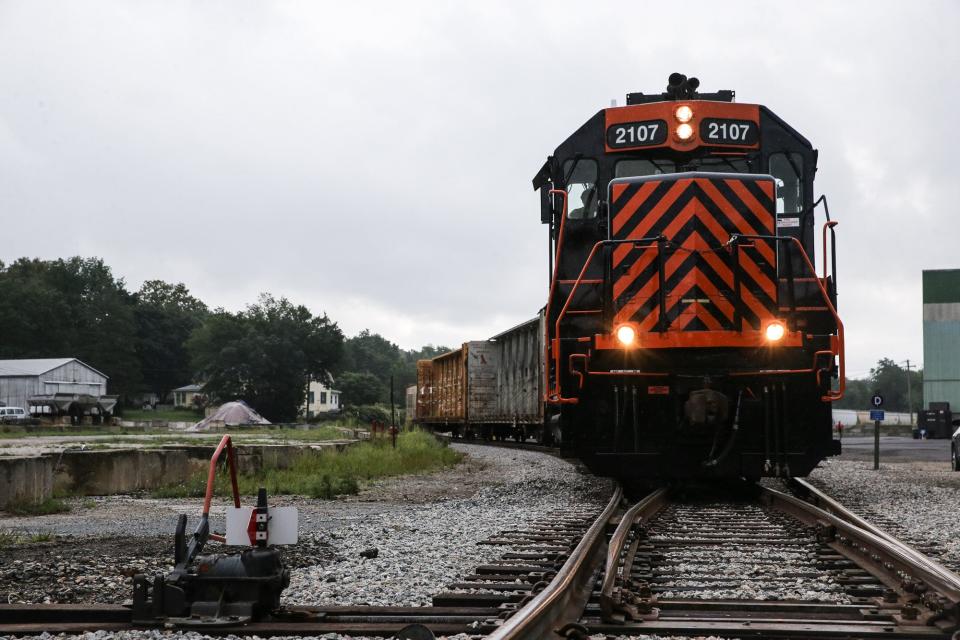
[{"x": 896, "y": 449}]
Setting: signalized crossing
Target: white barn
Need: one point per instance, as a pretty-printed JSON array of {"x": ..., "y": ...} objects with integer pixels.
[{"x": 54, "y": 386}]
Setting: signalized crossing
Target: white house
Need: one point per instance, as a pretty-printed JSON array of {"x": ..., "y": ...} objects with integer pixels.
[
  {"x": 321, "y": 399},
  {"x": 183, "y": 396}
]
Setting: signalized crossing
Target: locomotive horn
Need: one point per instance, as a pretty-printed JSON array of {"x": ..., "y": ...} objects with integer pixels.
[{"x": 675, "y": 80}]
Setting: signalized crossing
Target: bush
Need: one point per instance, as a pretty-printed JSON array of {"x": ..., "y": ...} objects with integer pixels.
[{"x": 367, "y": 413}]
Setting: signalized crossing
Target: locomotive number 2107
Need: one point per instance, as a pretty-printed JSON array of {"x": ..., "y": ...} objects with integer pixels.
[
  {"x": 637, "y": 134},
  {"x": 723, "y": 131}
]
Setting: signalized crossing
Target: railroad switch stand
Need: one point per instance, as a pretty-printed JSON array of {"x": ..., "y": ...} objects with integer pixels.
[{"x": 226, "y": 588}]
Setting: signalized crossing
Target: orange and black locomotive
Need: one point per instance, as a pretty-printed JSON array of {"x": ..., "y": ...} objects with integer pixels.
[{"x": 687, "y": 332}]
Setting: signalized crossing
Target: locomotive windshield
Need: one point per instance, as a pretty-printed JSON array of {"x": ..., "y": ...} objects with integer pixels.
[{"x": 786, "y": 168}]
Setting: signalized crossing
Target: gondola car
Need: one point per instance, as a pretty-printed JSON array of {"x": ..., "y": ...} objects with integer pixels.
[{"x": 687, "y": 333}]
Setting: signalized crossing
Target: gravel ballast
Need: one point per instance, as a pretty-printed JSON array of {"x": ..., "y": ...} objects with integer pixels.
[
  {"x": 423, "y": 548},
  {"x": 918, "y": 502}
]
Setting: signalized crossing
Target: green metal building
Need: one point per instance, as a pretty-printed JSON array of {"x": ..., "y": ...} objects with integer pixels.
[{"x": 941, "y": 337}]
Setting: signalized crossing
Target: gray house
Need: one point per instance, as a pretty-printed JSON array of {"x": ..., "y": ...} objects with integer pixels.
[{"x": 55, "y": 386}]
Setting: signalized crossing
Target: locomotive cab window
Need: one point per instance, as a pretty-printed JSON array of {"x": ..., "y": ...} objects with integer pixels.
[
  {"x": 582, "y": 194},
  {"x": 787, "y": 169}
]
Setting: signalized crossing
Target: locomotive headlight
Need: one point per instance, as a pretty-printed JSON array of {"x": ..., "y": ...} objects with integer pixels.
[
  {"x": 626, "y": 334},
  {"x": 775, "y": 331},
  {"x": 683, "y": 113},
  {"x": 684, "y": 131}
]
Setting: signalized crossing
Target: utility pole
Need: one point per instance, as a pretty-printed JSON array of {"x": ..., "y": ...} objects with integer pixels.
[{"x": 909, "y": 394}]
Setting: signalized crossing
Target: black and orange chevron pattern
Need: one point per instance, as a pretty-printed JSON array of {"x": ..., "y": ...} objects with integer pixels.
[{"x": 701, "y": 275}]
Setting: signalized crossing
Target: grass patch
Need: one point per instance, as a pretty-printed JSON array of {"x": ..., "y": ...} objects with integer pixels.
[
  {"x": 48, "y": 506},
  {"x": 328, "y": 473},
  {"x": 10, "y": 538},
  {"x": 315, "y": 434}
]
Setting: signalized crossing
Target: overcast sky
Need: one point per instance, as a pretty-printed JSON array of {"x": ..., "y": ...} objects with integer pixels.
[{"x": 373, "y": 160}]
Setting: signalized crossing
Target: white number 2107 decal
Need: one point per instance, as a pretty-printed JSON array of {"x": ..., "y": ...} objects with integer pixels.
[
  {"x": 725, "y": 131},
  {"x": 636, "y": 133}
]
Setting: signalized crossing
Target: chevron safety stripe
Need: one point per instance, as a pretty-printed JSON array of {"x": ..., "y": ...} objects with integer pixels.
[{"x": 701, "y": 274}]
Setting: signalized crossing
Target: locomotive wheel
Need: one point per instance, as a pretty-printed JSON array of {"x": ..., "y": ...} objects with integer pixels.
[{"x": 954, "y": 459}]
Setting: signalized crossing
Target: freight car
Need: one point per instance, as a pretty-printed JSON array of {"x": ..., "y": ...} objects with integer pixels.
[
  {"x": 488, "y": 388},
  {"x": 688, "y": 334}
]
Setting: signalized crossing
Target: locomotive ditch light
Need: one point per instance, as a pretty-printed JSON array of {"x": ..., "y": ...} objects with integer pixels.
[
  {"x": 684, "y": 131},
  {"x": 774, "y": 331},
  {"x": 626, "y": 334},
  {"x": 683, "y": 113}
]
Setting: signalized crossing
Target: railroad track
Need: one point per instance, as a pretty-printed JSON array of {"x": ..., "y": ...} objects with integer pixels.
[
  {"x": 675, "y": 566},
  {"x": 788, "y": 563}
]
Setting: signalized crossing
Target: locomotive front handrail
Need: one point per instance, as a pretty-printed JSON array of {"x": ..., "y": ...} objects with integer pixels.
[
  {"x": 837, "y": 347},
  {"x": 557, "y": 395},
  {"x": 831, "y": 395}
]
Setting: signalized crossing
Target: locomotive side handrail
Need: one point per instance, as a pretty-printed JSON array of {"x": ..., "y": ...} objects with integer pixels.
[
  {"x": 553, "y": 285},
  {"x": 829, "y": 225}
]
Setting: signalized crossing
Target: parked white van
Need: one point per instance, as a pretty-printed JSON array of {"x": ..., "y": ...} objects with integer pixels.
[{"x": 13, "y": 414}]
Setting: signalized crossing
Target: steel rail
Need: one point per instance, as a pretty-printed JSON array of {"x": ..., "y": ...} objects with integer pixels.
[
  {"x": 825, "y": 502},
  {"x": 643, "y": 510},
  {"x": 566, "y": 596},
  {"x": 883, "y": 552}
]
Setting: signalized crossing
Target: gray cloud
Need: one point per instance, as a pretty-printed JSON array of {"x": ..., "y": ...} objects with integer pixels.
[{"x": 373, "y": 160}]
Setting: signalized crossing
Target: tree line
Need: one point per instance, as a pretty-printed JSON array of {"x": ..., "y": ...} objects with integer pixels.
[
  {"x": 892, "y": 381},
  {"x": 161, "y": 337}
]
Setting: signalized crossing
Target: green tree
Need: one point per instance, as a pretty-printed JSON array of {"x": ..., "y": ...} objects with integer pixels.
[
  {"x": 71, "y": 307},
  {"x": 166, "y": 315},
  {"x": 371, "y": 353},
  {"x": 263, "y": 355},
  {"x": 359, "y": 388},
  {"x": 890, "y": 379}
]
